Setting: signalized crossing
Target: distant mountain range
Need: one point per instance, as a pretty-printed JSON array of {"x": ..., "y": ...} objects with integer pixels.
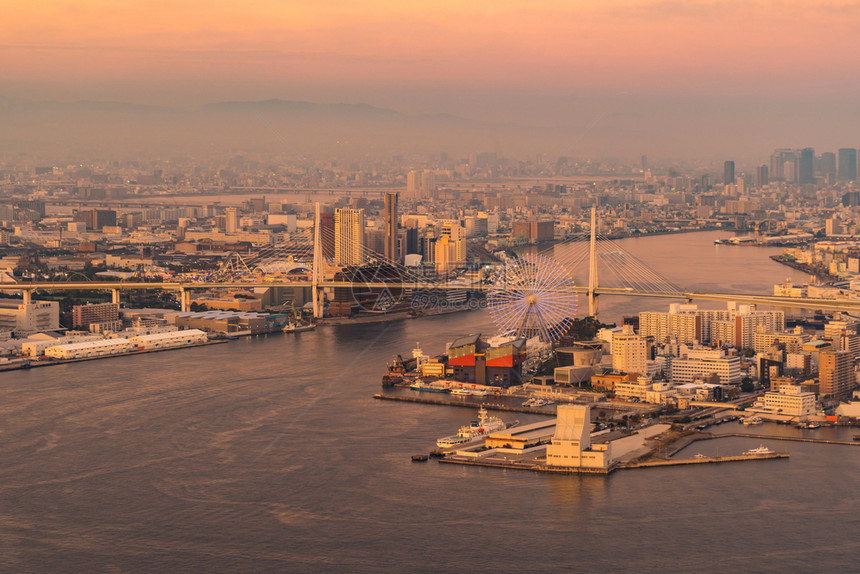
[{"x": 92, "y": 129}]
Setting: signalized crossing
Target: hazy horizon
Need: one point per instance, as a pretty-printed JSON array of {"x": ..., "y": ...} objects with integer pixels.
[{"x": 692, "y": 81}]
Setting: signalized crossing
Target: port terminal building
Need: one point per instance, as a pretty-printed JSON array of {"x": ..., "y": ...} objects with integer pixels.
[{"x": 471, "y": 359}]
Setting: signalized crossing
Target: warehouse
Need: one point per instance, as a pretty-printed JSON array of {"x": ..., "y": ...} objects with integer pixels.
[
  {"x": 169, "y": 340},
  {"x": 88, "y": 349}
]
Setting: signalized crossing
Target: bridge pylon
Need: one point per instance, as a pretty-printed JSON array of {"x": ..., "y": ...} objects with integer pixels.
[
  {"x": 317, "y": 265},
  {"x": 592, "y": 266}
]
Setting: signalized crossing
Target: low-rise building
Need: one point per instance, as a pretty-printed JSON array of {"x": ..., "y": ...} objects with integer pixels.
[
  {"x": 790, "y": 400},
  {"x": 168, "y": 340},
  {"x": 87, "y": 349}
]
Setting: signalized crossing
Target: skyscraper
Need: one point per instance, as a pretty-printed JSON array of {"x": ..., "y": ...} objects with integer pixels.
[
  {"x": 348, "y": 236},
  {"x": 827, "y": 166},
  {"x": 761, "y": 178},
  {"x": 729, "y": 172},
  {"x": 847, "y": 164},
  {"x": 806, "y": 166},
  {"x": 391, "y": 225}
]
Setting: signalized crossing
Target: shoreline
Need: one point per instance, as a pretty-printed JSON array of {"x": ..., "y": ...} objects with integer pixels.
[
  {"x": 804, "y": 268},
  {"x": 40, "y": 364}
]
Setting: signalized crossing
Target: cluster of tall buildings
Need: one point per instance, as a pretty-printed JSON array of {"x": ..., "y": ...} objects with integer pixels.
[{"x": 347, "y": 238}]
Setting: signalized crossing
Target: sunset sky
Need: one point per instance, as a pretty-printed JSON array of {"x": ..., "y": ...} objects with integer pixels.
[
  {"x": 501, "y": 60},
  {"x": 172, "y": 52}
]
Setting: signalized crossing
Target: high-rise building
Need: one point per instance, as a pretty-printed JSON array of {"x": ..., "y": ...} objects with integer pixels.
[
  {"x": 449, "y": 250},
  {"x": 835, "y": 374},
  {"x": 629, "y": 351},
  {"x": 847, "y": 164},
  {"x": 327, "y": 235},
  {"x": 457, "y": 236},
  {"x": 729, "y": 172},
  {"x": 827, "y": 166},
  {"x": 761, "y": 179},
  {"x": 232, "y": 221},
  {"x": 806, "y": 166},
  {"x": 420, "y": 183},
  {"x": 348, "y": 236},
  {"x": 391, "y": 224}
]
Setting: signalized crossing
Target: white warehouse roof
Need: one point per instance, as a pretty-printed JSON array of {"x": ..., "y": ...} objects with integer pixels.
[
  {"x": 169, "y": 335},
  {"x": 100, "y": 344}
]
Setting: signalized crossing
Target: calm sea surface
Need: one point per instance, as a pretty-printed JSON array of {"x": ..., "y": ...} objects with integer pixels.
[{"x": 270, "y": 455}]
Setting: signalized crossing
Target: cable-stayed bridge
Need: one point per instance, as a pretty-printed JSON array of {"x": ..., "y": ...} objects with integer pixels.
[{"x": 307, "y": 259}]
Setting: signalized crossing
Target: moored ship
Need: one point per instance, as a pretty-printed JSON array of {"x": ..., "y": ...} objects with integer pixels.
[
  {"x": 482, "y": 427},
  {"x": 424, "y": 387}
]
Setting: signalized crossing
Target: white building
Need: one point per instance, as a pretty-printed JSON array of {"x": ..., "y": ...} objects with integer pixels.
[
  {"x": 571, "y": 444},
  {"x": 629, "y": 351},
  {"x": 702, "y": 363},
  {"x": 27, "y": 318},
  {"x": 100, "y": 348},
  {"x": 168, "y": 340},
  {"x": 35, "y": 347},
  {"x": 790, "y": 400}
]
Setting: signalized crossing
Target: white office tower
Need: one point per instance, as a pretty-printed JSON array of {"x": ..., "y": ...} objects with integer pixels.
[
  {"x": 629, "y": 351},
  {"x": 571, "y": 443}
]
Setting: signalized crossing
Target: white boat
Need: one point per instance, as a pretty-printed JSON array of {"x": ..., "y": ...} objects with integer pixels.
[
  {"x": 752, "y": 421},
  {"x": 468, "y": 393},
  {"x": 476, "y": 429},
  {"x": 760, "y": 450},
  {"x": 297, "y": 327}
]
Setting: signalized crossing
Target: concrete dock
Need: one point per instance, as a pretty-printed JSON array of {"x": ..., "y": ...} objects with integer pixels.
[{"x": 455, "y": 403}]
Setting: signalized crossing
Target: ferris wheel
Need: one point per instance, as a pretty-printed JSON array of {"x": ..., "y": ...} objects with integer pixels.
[{"x": 533, "y": 296}]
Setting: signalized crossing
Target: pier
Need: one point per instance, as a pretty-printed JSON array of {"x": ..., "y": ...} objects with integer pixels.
[
  {"x": 790, "y": 438},
  {"x": 452, "y": 403}
]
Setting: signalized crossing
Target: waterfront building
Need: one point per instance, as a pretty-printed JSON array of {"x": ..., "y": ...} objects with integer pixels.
[
  {"x": 27, "y": 318},
  {"x": 349, "y": 236},
  {"x": 169, "y": 339},
  {"x": 629, "y": 351},
  {"x": 571, "y": 443},
  {"x": 471, "y": 359},
  {"x": 705, "y": 363},
  {"x": 89, "y": 349},
  {"x": 789, "y": 400},
  {"x": 836, "y": 374},
  {"x": 103, "y": 314},
  {"x": 36, "y": 345}
]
